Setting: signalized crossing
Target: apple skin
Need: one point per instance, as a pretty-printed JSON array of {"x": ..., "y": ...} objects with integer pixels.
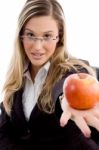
[{"x": 81, "y": 90}]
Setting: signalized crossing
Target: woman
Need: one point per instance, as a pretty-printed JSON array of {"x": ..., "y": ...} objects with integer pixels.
[{"x": 32, "y": 115}]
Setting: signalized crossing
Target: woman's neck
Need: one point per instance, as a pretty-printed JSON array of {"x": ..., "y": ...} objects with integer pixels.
[{"x": 33, "y": 71}]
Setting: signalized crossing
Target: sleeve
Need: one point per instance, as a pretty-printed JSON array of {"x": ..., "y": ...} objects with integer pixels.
[
  {"x": 73, "y": 133},
  {"x": 7, "y": 142},
  {"x": 95, "y": 135},
  {"x": 58, "y": 88}
]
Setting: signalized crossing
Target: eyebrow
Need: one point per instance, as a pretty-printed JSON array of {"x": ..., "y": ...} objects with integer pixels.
[{"x": 49, "y": 31}]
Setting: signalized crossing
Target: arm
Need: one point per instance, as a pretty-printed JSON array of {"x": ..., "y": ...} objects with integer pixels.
[
  {"x": 73, "y": 132},
  {"x": 83, "y": 119},
  {"x": 7, "y": 141}
]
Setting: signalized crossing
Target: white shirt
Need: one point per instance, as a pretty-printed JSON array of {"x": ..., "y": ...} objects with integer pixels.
[{"x": 33, "y": 90}]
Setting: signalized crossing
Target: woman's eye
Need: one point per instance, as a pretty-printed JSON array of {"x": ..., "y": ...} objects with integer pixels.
[
  {"x": 47, "y": 36},
  {"x": 30, "y": 34}
]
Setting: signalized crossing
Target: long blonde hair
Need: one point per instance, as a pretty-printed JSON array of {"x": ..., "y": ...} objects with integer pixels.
[{"x": 60, "y": 61}]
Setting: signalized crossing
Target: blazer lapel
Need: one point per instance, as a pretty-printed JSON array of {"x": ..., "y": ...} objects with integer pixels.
[{"x": 17, "y": 114}]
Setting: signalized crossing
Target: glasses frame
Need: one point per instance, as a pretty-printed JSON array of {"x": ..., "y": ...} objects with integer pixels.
[{"x": 42, "y": 39}]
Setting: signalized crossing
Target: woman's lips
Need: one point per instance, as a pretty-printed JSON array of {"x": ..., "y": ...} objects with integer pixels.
[{"x": 37, "y": 55}]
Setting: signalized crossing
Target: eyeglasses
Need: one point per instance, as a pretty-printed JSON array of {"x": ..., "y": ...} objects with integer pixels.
[{"x": 32, "y": 39}]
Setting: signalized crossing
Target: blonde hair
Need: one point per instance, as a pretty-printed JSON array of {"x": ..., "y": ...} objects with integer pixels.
[{"x": 60, "y": 61}]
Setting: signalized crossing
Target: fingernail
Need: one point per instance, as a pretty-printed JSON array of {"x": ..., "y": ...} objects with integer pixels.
[
  {"x": 87, "y": 135},
  {"x": 62, "y": 124}
]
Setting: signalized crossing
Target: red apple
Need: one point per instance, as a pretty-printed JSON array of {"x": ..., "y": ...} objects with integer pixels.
[{"x": 81, "y": 90}]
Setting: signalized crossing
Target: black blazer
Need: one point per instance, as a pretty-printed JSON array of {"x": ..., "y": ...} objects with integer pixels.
[{"x": 43, "y": 130}]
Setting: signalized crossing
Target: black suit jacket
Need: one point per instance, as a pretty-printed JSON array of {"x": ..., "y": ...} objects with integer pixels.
[{"x": 43, "y": 130}]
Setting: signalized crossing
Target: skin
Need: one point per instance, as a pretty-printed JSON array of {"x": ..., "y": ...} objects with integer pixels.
[{"x": 39, "y": 52}]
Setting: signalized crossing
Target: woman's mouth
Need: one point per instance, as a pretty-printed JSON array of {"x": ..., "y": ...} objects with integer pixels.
[{"x": 37, "y": 55}]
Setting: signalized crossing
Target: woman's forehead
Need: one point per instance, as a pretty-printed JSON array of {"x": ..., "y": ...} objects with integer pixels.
[{"x": 42, "y": 24}]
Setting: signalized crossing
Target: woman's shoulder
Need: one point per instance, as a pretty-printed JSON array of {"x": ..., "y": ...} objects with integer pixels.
[{"x": 76, "y": 65}]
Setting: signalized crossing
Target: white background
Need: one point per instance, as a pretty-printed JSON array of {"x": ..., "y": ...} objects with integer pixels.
[{"x": 82, "y": 20}]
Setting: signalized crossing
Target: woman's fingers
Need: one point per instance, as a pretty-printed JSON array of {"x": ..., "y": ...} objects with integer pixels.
[
  {"x": 92, "y": 120},
  {"x": 96, "y": 111},
  {"x": 82, "y": 118},
  {"x": 66, "y": 115},
  {"x": 81, "y": 123}
]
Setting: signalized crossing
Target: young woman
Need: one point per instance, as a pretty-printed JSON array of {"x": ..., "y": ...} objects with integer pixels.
[{"x": 32, "y": 114}]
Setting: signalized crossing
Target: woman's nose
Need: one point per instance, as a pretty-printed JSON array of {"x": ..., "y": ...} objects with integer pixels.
[{"x": 37, "y": 44}]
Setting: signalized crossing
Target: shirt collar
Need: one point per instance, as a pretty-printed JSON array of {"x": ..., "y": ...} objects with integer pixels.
[{"x": 44, "y": 68}]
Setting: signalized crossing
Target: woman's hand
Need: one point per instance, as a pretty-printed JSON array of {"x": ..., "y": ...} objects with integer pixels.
[{"x": 82, "y": 118}]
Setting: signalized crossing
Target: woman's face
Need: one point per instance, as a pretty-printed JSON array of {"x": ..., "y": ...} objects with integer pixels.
[{"x": 40, "y": 37}]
